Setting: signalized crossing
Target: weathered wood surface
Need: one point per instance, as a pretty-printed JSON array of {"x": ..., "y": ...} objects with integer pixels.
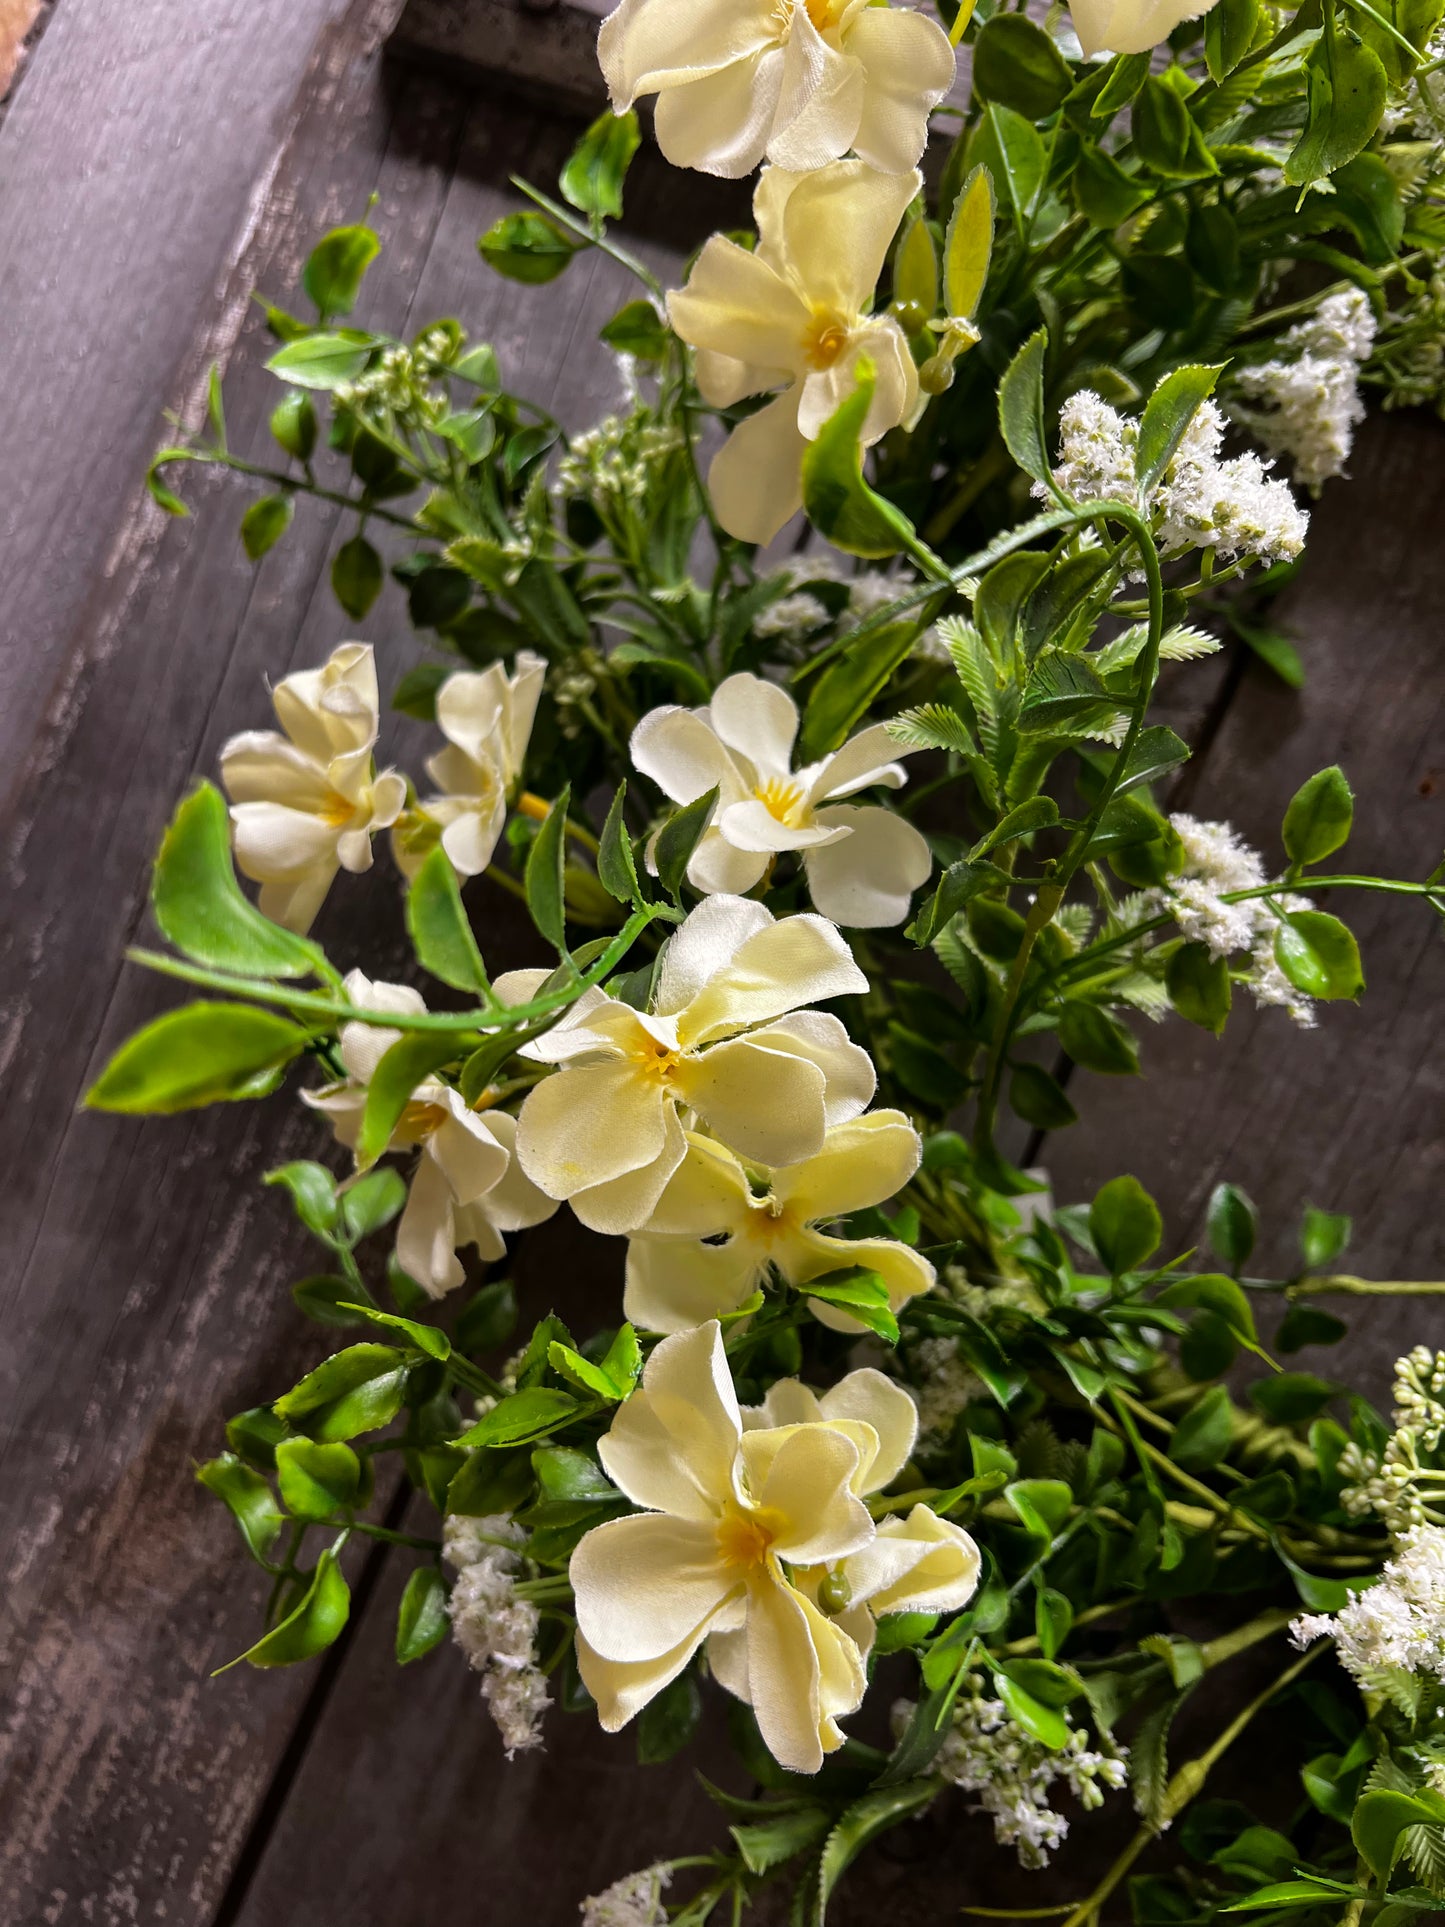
[{"x": 157, "y": 164}]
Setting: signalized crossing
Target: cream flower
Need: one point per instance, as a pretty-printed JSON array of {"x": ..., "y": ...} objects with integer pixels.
[
  {"x": 801, "y": 84},
  {"x": 727, "y": 1513},
  {"x": 794, "y": 314},
  {"x": 862, "y": 863},
  {"x": 920, "y": 1563},
  {"x": 677, "y": 1277},
  {"x": 305, "y": 804},
  {"x": 726, "y": 1040},
  {"x": 1128, "y": 26},
  {"x": 467, "y": 1187},
  {"x": 487, "y": 719}
]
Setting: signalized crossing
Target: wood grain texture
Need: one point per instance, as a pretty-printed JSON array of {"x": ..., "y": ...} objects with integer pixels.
[{"x": 145, "y": 1294}]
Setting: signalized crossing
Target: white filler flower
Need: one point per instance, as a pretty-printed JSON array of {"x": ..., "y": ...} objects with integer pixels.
[
  {"x": 487, "y": 719},
  {"x": 494, "y": 1628},
  {"x": 1399, "y": 1622},
  {"x": 726, "y": 1040},
  {"x": 1128, "y": 26},
  {"x": 796, "y": 312},
  {"x": 728, "y": 1512},
  {"x": 799, "y": 83},
  {"x": 863, "y": 863},
  {"x": 467, "y": 1187},
  {"x": 678, "y": 1274},
  {"x": 305, "y": 804}
]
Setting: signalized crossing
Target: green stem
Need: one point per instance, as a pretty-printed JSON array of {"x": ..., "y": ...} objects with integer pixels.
[
  {"x": 292, "y": 484},
  {"x": 1344, "y": 1285},
  {"x": 391, "y": 1538}
]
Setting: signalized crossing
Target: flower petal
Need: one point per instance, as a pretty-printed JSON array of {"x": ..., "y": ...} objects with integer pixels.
[
  {"x": 426, "y": 1242},
  {"x": 274, "y": 844},
  {"x": 872, "y": 1399},
  {"x": 866, "y": 882},
  {"x": 756, "y": 477},
  {"x": 918, "y": 1564},
  {"x": 470, "y": 707},
  {"x": 513, "y": 1203},
  {"x": 909, "y": 67},
  {"x": 803, "y": 1675},
  {"x": 720, "y": 122},
  {"x": 620, "y": 1690},
  {"x": 867, "y": 758},
  {"x": 758, "y": 718},
  {"x": 463, "y": 1148},
  {"x": 768, "y": 1105},
  {"x": 262, "y": 767},
  {"x": 790, "y": 962},
  {"x": 905, "y": 1273},
  {"x": 621, "y": 1205},
  {"x": 804, "y": 1476},
  {"x": 717, "y": 868},
  {"x": 588, "y": 1123},
  {"x": 751, "y": 826},
  {"x": 862, "y": 1162},
  {"x": 681, "y": 752},
  {"x": 838, "y": 225},
  {"x": 706, "y": 1195},
  {"x": 703, "y": 944},
  {"x": 737, "y": 305},
  {"x": 471, "y": 834},
  {"x": 647, "y": 45},
  {"x": 648, "y": 1584},
  {"x": 820, "y": 100},
  {"x": 674, "y": 1284},
  {"x": 673, "y": 1446},
  {"x": 818, "y": 1036}
]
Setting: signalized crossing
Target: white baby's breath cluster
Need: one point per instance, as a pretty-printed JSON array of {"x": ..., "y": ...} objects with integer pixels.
[
  {"x": 494, "y": 1628},
  {"x": 400, "y": 389},
  {"x": 613, "y": 464},
  {"x": 1398, "y": 1484},
  {"x": 988, "y": 1753},
  {"x": 1218, "y": 863},
  {"x": 1398, "y": 1625},
  {"x": 791, "y": 618},
  {"x": 633, "y": 1901},
  {"x": 1202, "y": 502},
  {"x": 941, "y": 1387},
  {"x": 1307, "y": 397}
]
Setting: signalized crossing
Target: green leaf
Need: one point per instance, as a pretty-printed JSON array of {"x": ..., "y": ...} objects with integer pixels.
[
  {"x": 1319, "y": 816},
  {"x": 1046, "y": 1723},
  {"x": 1165, "y": 421},
  {"x": 1320, "y": 1595},
  {"x": 1038, "y": 813},
  {"x": 356, "y": 576},
  {"x": 200, "y": 907},
  {"x": 313, "y": 1193},
  {"x": 524, "y": 1416},
  {"x": 314, "y": 1623},
  {"x": 421, "y": 1619},
  {"x": 441, "y": 931},
  {"x": 1319, "y": 955},
  {"x": 637, "y": 330},
  {"x": 356, "y": 1390},
  {"x": 264, "y": 523},
  {"x": 1323, "y": 1236},
  {"x": 568, "y": 1477},
  {"x": 1291, "y": 1398},
  {"x": 616, "y": 865},
  {"x": 316, "y": 1480},
  {"x": 327, "y": 1299},
  {"x": 769, "y": 1843},
  {"x": 489, "y": 1320},
  {"x": 325, "y": 361},
  {"x": 859, "y": 1292},
  {"x": 1229, "y": 29},
  {"x": 335, "y": 268},
  {"x": 1016, "y": 62},
  {"x": 612, "y": 1379},
  {"x": 1040, "y": 1099},
  {"x": 838, "y": 502},
  {"x": 247, "y": 1497},
  {"x": 1381, "y": 1819},
  {"x": 203, "y": 1053},
  {"x": 1211, "y": 1291},
  {"x": 1063, "y": 691},
  {"x": 669, "y": 1721},
  {"x": 416, "y": 693},
  {"x": 862, "y": 1822},
  {"x": 405, "y": 1064},
  {"x": 254, "y": 1436},
  {"x": 597, "y": 166},
  {"x": 1199, "y": 986},
  {"x": 968, "y": 245},
  {"x": 915, "y": 269},
  {"x": 1166, "y": 137},
  {"x": 678, "y": 838},
  {"x": 1014, "y": 153},
  {"x": 850, "y": 682},
  {"x": 527, "y": 247},
  {"x": 1289, "y": 1893},
  {"x": 1203, "y": 1436},
  {"x": 1095, "y": 1038},
  {"x": 1053, "y": 1620},
  {"x": 1106, "y": 194},
  {"x": 1276, "y": 652},
  {"x": 293, "y": 423},
  {"x": 1042, "y": 1504},
  {"x": 1126, "y": 75},
  {"x": 1125, "y": 1224},
  {"x": 1021, "y": 409},
  {"x": 163, "y": 497},
  {"x": 1347, "y": 86},
  {"x": 427, "y": 1339},
  {"x": 543, "y": 880},
  {"x": 1231, "y": 1222},
  {"x": 1308, "y": 1325}
]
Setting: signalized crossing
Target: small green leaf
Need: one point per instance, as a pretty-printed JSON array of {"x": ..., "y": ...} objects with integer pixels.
[
  {"x": 1231, "y": 1222},
  {"x": 1038, "y": 813},
  {"x": 1046, "y": 1723},
  {"x": 637, "y": 330},
  {"x": 527, "y": 247},
  {"x": 1347, "y": 87},
  {"x": 293, "y": 423},
  {"x": 596, "y": 168},
  {"x": 543, "y": 880},
  {"x": 616, "y": 865},
  {"x": 326, "y": 361},
  {"x": 421, "y": 1618},
  {"x": 489, "y": 1320},
  {"x": 915, "y": 269},
  {"x": 524, "y": 1416},
  {"x": 1323, "y": 1236},
  {"x": 669, "y": 1721},
  {"x": 764, "y": 1844},
  {"x": 1042, "y": 1504},
  {"x": 1166, "y": 419},
  {"x": 1040, "y": 1099},
  {"x": 1021, "y": 409},
  {"x": 1290, "y": 1894},
  {"x": 248, "y": 1498},
  {"x": 1053, "y": 1620},
  {"x": 1095, "y": 1038},
  {"x": 357, "y": 1390},
  {"x": 327, "y": 1299},
  {"x": 441, "y": 931},
  {"x": 427, "y": 1339},
  {"x": 1319, "y": 955},
  {"x": 849, "y": 684},
  {"x": 335, "y": 268},
  {"x": 1016, "y": 62},
  {"x": 968, "y": 245},
  {"x": 1125, "y": 1224},
  {"x": 1229, "y": 29},
  {"x": 1380, "y": 1822},
  {"x": 163, "y": 497},
  {"x": 1166, "y": 137},
  {"x": 1199, "y": 986},
  {"x": 203, "y": 1053},
  {"x": 313, "y": 1193},
  {"x": 678, "y": 838},
  {"x": 859, "y": 1292},
  {"x": 200, "y": 906},
  {"x": 1308, "y": 1325},
  {"x": 1204, "y": 1434},
  {"x": 316, "y": 1480},
  {"x": 414, "y": 1057},
  {"x": 1319, "y": 816},
  {"x": 264, "y": 523},
  {"x": 1106, "y": 194},
  {"x": 1292, "y": 1398},
  {"x": 356, "y": 576},
  {"x": 838, "y": 502},
  {"x": 314, "y": 1623},
  {"x": 372, "y": 1201},
  {"x": 862, "y": 1822},
  {"x": 1211, "y": 1291}
]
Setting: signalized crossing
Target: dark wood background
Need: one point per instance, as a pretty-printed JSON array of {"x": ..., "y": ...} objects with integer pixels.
[{"x": 157, "y": 163}]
